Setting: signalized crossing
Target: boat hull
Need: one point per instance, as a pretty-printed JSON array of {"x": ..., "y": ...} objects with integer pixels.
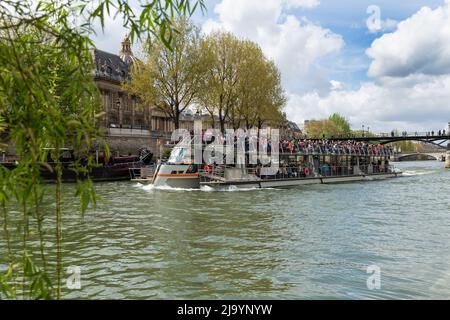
[
  {"x": 178, "y": 176},
  {"x": 280, "y": 183},
  {"x": 175, "y": 176}
]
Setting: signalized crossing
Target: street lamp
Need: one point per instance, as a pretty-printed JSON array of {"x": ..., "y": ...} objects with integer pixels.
[
  {"x": 118, "y": 111},
  {"x": 368, "y": 131},
  {"x": 363, "y": 131}
]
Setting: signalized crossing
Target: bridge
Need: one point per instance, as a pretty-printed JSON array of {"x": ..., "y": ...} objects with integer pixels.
[
  {"x": 441, "y": 141},
  {"x": 413, "y": 156}
]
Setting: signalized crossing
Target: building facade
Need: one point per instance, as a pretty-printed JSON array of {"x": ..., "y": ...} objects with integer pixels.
[{"x": 129, "y": 124}]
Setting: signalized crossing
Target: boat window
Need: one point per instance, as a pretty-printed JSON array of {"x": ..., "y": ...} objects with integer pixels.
[{"x": 192, "y": 169}]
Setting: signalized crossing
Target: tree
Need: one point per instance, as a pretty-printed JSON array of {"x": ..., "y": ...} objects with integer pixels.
[
  {"x": 48, "y": 99},
  {"x": 260, "y": 95},
  {"x": 242, "y": 87},
  {"x": 170, "y": 78},
  {"x": 342, "y": 124},
  {"x": 221, "y": 52},
  {"x": 273, "y": 98},
  {"x": 321, "y": 129},
  {"x": 155, "y": 17}
]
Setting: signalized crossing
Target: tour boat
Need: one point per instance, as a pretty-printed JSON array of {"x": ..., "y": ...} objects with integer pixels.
[{"x": 293, "y": 169}]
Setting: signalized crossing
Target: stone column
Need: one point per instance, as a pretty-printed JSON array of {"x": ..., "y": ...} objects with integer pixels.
[{"x": 447, "y": 160}]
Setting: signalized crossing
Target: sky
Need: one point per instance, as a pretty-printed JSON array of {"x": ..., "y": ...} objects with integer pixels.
[{"x": 382, "y": 64}]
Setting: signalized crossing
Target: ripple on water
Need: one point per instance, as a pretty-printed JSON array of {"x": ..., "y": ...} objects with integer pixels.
[{"x": 306, "y": 242}]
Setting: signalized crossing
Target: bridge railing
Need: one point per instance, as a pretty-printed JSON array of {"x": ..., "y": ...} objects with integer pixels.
[
  {"x": 323, "y": 151},
  {"x": 412, "y": 134}
]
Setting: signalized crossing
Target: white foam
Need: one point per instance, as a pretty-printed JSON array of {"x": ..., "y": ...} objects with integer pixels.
[
  {"x": 412, "y": 173},
  {"x": 231, "y": 189},
  {"x": 151, "y": 187}
]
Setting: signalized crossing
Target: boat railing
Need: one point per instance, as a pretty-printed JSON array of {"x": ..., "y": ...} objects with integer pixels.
[
  {"x": 338, "y": 150},
  {"x": 142, "y": 173},
  {"x": 213, "y": 172},
  {"x": 298, "y": 172}
]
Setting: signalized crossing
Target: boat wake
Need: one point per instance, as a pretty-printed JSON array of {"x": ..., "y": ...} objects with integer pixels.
[
  {"x": 151, "y": 187},
  {"x": 202, "y": 188},
  {"x": 231, "y": 189},
  {"x": 412, "y": 173}
]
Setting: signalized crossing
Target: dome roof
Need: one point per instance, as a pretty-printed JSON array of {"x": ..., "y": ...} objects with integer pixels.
[{"x": 126, "y": 54}]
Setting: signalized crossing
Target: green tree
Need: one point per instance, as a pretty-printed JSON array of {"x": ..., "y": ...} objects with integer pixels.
[
  {"x": 170, "y": 79},
  {"x": 270, "y": 110},
  {"x": 48, "y": 100},
  {"x": 343, "y": 127},
  {"x": 242, "y": 86},
  {"x": 321, "y": 129},
  {"x": 221, "y": 52},
  {"x": 260, "y": 96}
]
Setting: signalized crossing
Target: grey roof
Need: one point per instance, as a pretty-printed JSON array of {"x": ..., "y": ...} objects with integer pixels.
[
  {"x": 293, "y": 126},
  {"x": 110, "y": 67}
]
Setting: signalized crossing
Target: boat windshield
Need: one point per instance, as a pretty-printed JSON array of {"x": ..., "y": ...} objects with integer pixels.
[{"x": 181, "y": 153}]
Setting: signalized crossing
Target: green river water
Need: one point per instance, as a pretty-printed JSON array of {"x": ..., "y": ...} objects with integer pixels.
[{"x": 307, "y": 242}]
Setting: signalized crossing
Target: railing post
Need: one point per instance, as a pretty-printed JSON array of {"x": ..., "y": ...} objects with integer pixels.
[
  {"x": 448, "y": 133},
  {"x": 447, "y": 158}
]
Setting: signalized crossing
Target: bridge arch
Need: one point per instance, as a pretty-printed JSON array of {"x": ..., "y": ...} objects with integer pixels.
[
  {"x": 441, "y": 142},
  {"x": 418, "y": 157}
]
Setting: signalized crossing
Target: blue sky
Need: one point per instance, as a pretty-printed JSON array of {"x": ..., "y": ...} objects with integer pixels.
[
  {"x": 397, "y": 78},
  {"x": 347, "y": 18}
]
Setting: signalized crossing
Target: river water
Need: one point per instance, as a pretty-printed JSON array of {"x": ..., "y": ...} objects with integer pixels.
[{"x": 307, "y": 242}]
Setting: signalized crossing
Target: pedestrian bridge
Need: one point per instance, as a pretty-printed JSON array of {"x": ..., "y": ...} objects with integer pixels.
[{"x": 441, "y": 141}]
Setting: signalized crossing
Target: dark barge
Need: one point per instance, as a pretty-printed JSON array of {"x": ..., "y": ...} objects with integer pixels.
[{"x": 116, "y": 168}]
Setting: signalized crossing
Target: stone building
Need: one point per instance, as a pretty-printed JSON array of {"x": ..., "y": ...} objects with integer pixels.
[{"x": 129, "y": 124}]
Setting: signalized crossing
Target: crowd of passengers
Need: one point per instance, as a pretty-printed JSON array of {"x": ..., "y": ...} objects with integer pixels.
[
  {"x": 328, "y": 147},
  {"x": 324, "y": 146},
  {"x": 293, "y": 170}
]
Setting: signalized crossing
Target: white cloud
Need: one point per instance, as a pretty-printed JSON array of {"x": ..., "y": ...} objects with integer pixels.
[
  {"x": 294, "y": 44},
  {"x": 419, "y": 45},
  {"x": 411, "y": 86},
  {"x": 389, "y": 25},
  {"x": 412, "y": 103},
  {"x": 301, "y": 3}
]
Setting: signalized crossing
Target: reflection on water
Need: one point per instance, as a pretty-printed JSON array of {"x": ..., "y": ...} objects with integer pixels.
[{"x": 305, "y": 242}]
